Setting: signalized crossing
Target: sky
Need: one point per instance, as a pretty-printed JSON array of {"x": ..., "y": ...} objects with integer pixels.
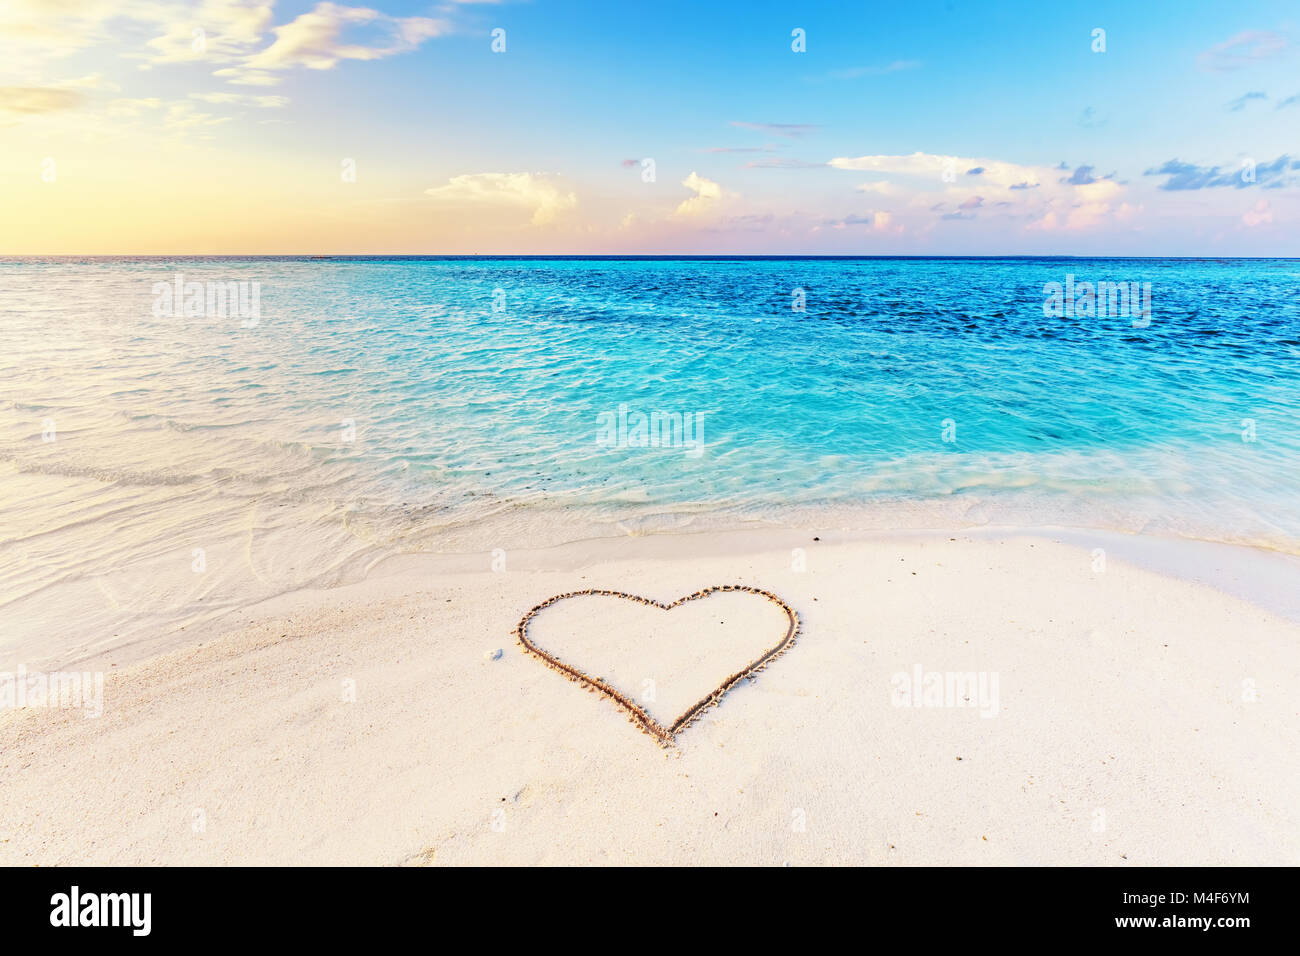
[{"x": 550, "y": 127}]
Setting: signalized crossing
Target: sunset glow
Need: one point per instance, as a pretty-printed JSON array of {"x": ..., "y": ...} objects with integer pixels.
[{"x": 137, "y": 127}]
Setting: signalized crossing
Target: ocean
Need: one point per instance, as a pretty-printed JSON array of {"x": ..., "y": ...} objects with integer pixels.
[{"x": 179, "y": 437}]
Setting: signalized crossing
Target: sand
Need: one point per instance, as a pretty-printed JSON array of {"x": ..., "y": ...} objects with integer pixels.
[{"x": 1119, "y": 716}]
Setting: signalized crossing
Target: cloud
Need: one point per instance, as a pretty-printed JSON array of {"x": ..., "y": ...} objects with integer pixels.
[
  {"x": 241, "y": 76},
  {"x": 95, "y": 81},
  {"x": 1186, "y": 176},
  {"x": 1240, "y": 102},
  {"x": 752, "y": 222},
  {"x": 977, "y": 171},
  {"x": 790, "y": 130},
  {"x": 35, "y": 31},
  {"x": 38, "y": 99},
  {"x": 529, "y": 190},
  {"x": 218, "y": 30},
  {"x": 315, "y": 41},
  {"x": 243, "y": 99},
  {"x": 1258, "y": 216},
  {"x": 1039, "y": 195},
  {"x": 182, "y": 117},
  {"x": 853, "y": 72},
  {"x": 880, "y": 221},
  {"x": 1127, "y": 211},
  {"x": 1080, "y": 177},
  {"x": 1190, "y": 176},
  {"x": 229, "y": 33},
  {"x": 1088, "y": 119},
  {"x": 708, "y": 195},
  {"x": 1243, "y": 49},
  {"x": 936, "y": 167},
  {"x": 1289, "y": 101},
  {"x": 133, "y": 107}
]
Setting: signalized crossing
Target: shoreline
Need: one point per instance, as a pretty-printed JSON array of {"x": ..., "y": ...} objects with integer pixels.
[
  {"x": 1256, "y": 574},
  {"x": 1140, "y": 718}
]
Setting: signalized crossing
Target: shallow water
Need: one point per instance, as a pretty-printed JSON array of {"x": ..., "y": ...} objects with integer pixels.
[{"x": 156, "y": 469}]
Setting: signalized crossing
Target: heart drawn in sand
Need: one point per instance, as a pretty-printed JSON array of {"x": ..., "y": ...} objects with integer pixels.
[{"x": 664, "y": 735}]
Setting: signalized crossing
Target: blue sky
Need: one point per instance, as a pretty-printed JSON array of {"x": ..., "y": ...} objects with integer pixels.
[{"x": 925, "y": 128}]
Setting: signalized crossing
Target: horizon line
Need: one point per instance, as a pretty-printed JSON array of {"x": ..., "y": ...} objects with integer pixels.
[{"x": 611, "y": 256}]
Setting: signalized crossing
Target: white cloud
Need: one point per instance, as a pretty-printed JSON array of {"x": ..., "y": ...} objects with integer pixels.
[
  {"x": 528, "y": 190},
  {"x": 95, "y": 81},
  {"x": 884, "y": 222},
  {"x": 231, "y": 33},
  {"x": 1259, "y": 215},
  {"x": 182, "y": 117},
  {"x": 220, "y": 30},
  {"x": 708, "y": 195},
  {"x": 245, "y": 77},
  {"x": 963, "y": 187},
  {"x": 1128, "y": 211},
  {"x": 934, "y": 167},
  {"x": 854, "y": 72},
  {"x": 315, "y": 40},
  {"x": 34, "y": 100},
  {"x": 128, "y": 108},
  {"x": 34, "y": 31},
  {"x": 242, "y": 99},
  {"x": 38, "y": 99},
  {"x": 1243, "y": 49}
]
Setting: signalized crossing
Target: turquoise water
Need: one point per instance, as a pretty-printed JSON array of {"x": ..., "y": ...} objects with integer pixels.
[{"x": 463, "y": 404}]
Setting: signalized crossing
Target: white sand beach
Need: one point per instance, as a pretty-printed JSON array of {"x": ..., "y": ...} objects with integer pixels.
[{"x": 1128, "y": 716}]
